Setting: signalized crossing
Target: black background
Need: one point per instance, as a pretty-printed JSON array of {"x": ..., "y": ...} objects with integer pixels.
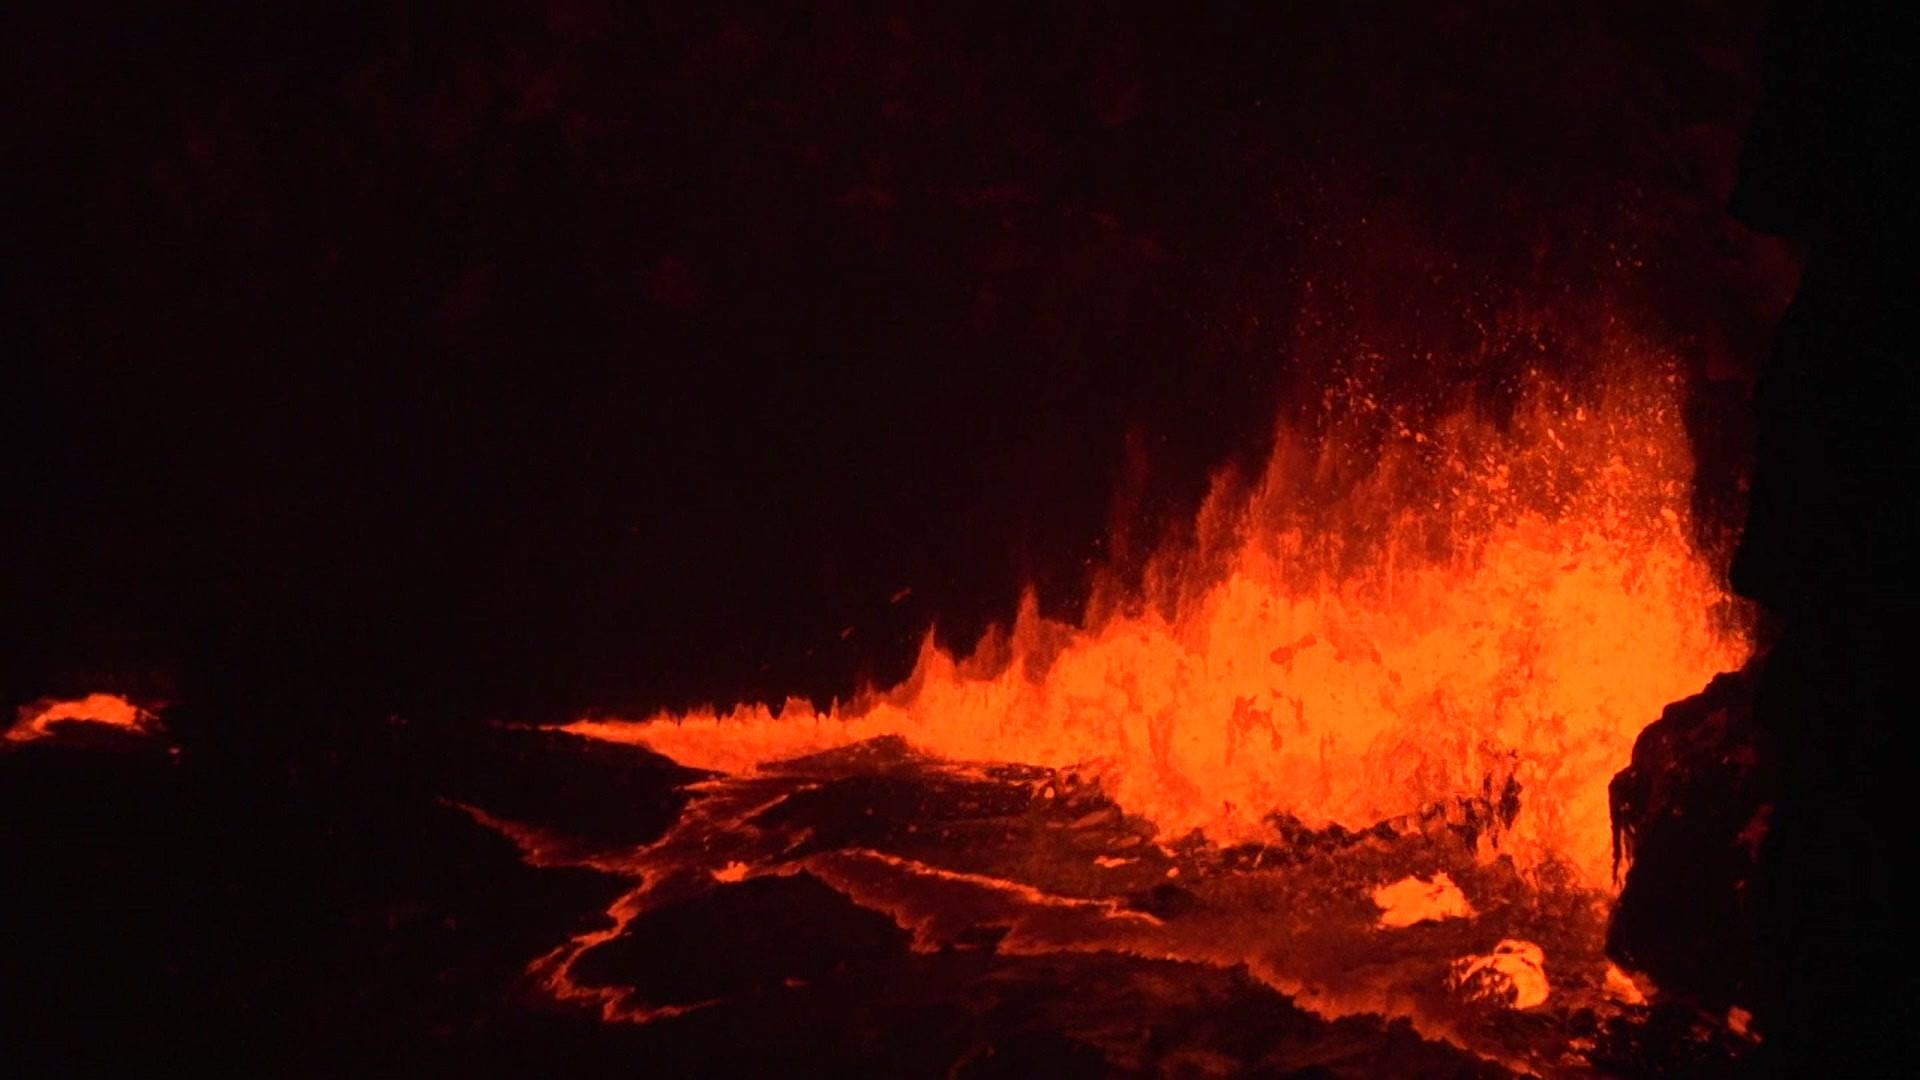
[{"x": 508, "y": 359}]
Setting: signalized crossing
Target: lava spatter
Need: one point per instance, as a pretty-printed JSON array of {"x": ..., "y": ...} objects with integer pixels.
[
  {"x": 1355, "y": 743},
  {"x": 1394, "y": 617}
]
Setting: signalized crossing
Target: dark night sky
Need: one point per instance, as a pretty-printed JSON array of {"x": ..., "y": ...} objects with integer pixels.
[{"x": 483, "y": 358}]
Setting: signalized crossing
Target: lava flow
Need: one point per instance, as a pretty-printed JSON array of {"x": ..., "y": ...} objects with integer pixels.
[
  {"x": 1354, "y": 742},
  {"x": 1397, "y": 618}
]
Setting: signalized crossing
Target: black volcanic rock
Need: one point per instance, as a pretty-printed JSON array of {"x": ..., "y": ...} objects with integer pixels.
[
  {"x": 1689, "y": 814},
  {"x": 605, "y": 795},
  {"x": 755, "y": 937},
  {"x": 1830, "y": 535}
]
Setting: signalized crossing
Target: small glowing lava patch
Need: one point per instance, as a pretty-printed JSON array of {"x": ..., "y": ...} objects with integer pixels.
[
  {"x": 1740, "y": 1022},
  {"x": 47, "y": 718},
  {"x": 1622, "y": 987},
  {"x": 1513, "y": 975},
  {"x": 1416, "y": 900}
]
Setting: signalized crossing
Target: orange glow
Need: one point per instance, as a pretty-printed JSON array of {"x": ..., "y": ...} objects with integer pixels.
[
  {"x": 1413, "y": 900},
  {"x": 1404, "y": 614},
  {"x": 42, "y": 719},
  {"x": 1513, "y": 975}
]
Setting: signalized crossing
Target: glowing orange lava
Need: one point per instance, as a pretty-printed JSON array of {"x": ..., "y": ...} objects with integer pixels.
[
  {"x": 1401, "y": 614},
  {"x": 41, "y": 719}
]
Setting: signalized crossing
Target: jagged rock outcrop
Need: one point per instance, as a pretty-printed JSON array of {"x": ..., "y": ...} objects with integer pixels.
[{"x": 1689, "y": 815}]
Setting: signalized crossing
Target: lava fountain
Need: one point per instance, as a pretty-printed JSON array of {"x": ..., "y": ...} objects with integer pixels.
[{"x": 1447, "y": 609}]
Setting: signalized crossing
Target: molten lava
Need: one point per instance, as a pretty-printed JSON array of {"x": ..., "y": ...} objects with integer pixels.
[
  {"x": 1413, "y": 613},
  {"x": 45, "y": 719},
  {"x": 1411, "y": 901}
]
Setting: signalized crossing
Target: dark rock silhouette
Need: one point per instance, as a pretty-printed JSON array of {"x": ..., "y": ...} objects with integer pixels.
[
  {"x": 1689, "y": 814},
  {"x": 1828, "y": 548}
]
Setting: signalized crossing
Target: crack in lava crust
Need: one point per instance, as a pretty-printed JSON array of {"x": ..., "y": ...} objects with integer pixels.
[{"x": 1018, "y": 861}]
